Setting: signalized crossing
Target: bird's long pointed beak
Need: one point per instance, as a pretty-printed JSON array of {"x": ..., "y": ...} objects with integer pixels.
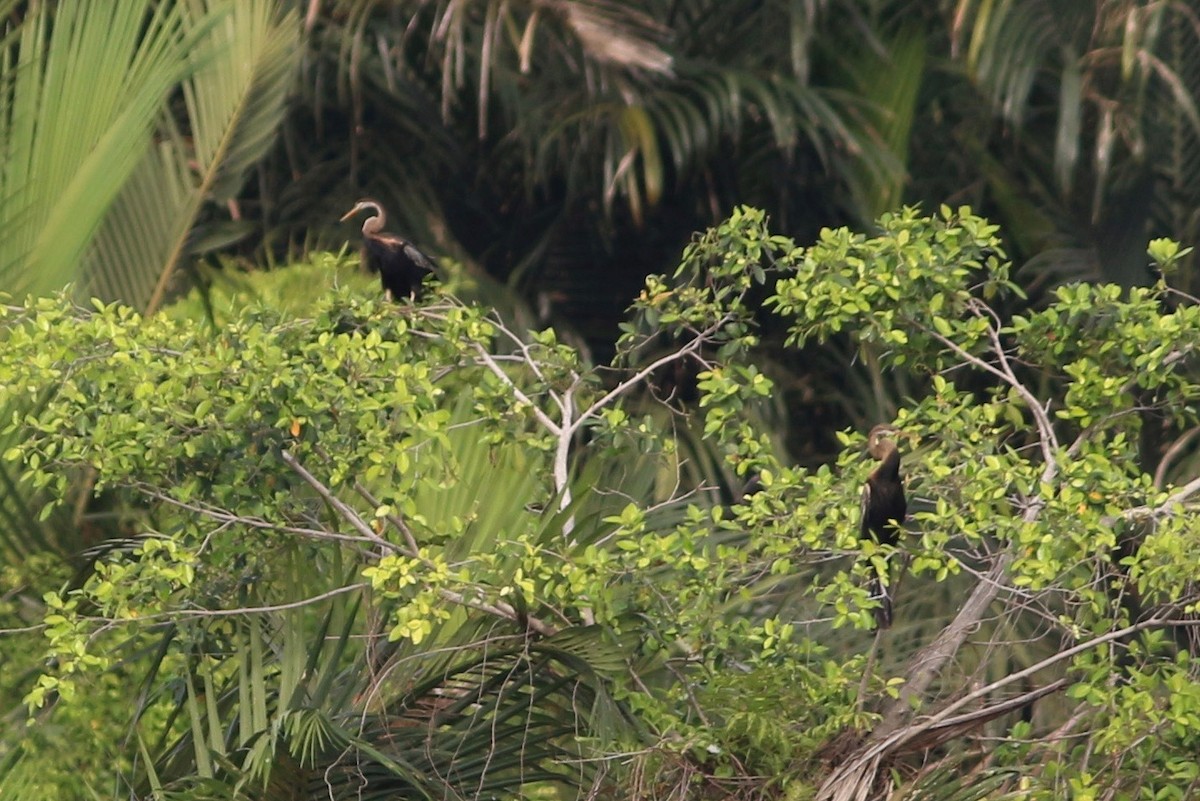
[{"x": 349, "y": 214}]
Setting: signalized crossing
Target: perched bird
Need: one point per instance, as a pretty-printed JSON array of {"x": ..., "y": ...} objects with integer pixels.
[
  {"x": 400, "y": 265},
  {"x": 883, "y": 508}
]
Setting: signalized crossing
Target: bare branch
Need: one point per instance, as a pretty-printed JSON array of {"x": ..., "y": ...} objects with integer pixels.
[
  {"x": 1177, "y": 497},
  {"x": 570, "y": 421},
  {"x": 1047, "y": 438},
  {"x": 247, "y": 610},
  {"x": 957, "y": 726},
  {"x": 543, "y": 418},
  {"x": 394, "y": 519},
  {"x": 562, "y": 456},
  {"x": 227, "y": 518},
  {"x": 1050, "y": 661},
  {"x": 349, "y": 515},
  {"x": 1177, "y": 447},
  {"x": 1183, "y": 493},
  {"x": 641, "y": 375},
  {"x": 527, "y": 358},
  {"x": 930, "y": 660},
  {"x": 499, "y": 609},
  {"x": 852, "y": 781}
]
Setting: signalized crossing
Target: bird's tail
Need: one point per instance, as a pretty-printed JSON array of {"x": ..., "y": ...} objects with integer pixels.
[{"x": 883, "y": 612}]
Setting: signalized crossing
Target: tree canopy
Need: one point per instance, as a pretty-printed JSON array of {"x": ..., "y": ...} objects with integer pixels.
[{"x": 371, "y": 550}]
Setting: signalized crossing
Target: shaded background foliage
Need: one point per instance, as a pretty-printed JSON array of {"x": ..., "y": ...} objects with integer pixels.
[
  {"x": 559, "y": 160},
  {"x": 554, "y": 152},
  {"x": 564, "y": 149},
  {"x": 567, "y": 149}
]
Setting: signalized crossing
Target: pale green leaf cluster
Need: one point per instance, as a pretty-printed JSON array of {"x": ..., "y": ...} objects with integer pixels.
[
  {"x": 906, "y": 288},
  {"x": 428, "y": 463}
]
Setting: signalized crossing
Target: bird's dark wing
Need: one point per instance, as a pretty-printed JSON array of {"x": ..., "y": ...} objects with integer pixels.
[
  {"x": 884, "y": 510},
  {"x": 864, "y": 509},
  {"x": 878, "y": 587},
  {"x": 417, "y": 257},
  {"x": 400, "y": 265}
]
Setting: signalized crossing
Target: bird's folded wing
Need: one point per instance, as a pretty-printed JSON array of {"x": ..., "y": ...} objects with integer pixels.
[
  {"x": 418, "y": 258},
  {"x": 863, "y": 508}
]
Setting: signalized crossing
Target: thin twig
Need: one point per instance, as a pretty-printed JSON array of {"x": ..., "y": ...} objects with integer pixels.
[
  {"x": 959, "y": 725},
  {"x": 498, "y": 609},
  {"x": 110, "y": 622},
  {"x": 928, "y": 663},
  {"x": 349, "y": 515},
  {"x": 394, "y": 519},
  {"x": 620, "y": 389},
  {"x": 543, "y": 418},
  {"x": 227, "y": 518},
  {"x": 852, "y": 781}
]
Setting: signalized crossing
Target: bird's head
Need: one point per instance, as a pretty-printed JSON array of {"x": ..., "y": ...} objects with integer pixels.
[
  {"x": 363, "y": 205},
  {"x": 882, "y": 440}
]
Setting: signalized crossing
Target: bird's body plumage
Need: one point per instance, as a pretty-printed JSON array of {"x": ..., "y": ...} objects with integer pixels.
[
  {"x": 401, "y": 266},
  {"x": 884, "y": 508}
]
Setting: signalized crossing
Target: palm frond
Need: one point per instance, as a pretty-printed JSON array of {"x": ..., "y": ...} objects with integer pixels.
[
  {"x": 613, "y": 33},
  {"x": 495, "y": 717},
  {"x": 84, "y": 196},
  {"x": 78, "y": 101},
  {"x": 1008, "y": 45},
  {"x": 244, "y": 66},
  {"x": 890, "y": 83},
  {"x": 952, "y": 780},
  {"x": 1172, "y": 133}
]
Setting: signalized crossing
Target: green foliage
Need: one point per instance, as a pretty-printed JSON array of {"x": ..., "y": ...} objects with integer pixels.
[
  {"x": 379, "y": 530},
  {"x": 904, "y": 288},
  {"x": 124, "y": 125},
  {"x": 239, "y": 73},
  {"x": 409, "y": 416}
]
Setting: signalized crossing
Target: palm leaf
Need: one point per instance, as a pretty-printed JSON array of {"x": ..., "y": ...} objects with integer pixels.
[
  {"x": 244, "y": 67},
  {"x": 1009, "y": 43},
  {"x": 78, "y": 101},
  {"x": 304, "y": 704},
  {"x": 954, "y": 779},
  {"x": 496, "y": 718},
  {"x": 891, "y": 83}
]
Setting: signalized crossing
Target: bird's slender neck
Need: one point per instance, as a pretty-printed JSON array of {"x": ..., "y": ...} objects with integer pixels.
[
  {"x": 374, "y": 224},
  {"x": 889, "y": 459}
]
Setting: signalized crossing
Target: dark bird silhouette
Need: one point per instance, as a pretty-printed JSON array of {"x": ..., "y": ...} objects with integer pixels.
[
  {"x": 883, "y": 508},
  {"x": 400, "y": 265}
]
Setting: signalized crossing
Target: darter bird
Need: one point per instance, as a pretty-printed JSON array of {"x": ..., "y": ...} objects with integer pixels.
[
  {"x": 400, "y": 265},
  {"x": 883, "y": 508}
]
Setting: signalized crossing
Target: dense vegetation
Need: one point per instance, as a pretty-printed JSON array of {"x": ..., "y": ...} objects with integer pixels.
[
  {"x": 282, "y": 539},
  {"x": 376, "y": 551}
]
